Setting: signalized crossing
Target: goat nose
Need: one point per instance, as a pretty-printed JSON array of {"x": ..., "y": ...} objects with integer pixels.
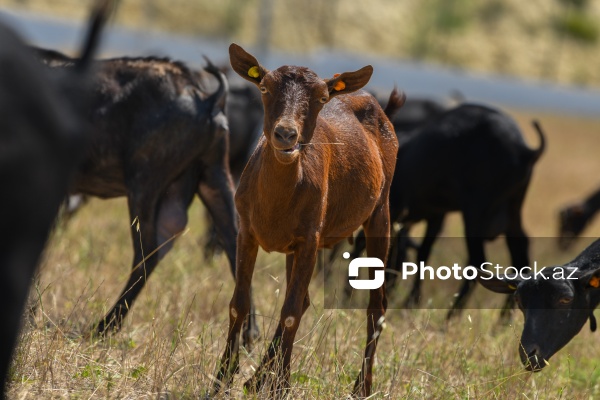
[
  {"x": 534, "y": 350},
  {"x": 531, "y": 356},
  {"x": 285, "y": 133}
]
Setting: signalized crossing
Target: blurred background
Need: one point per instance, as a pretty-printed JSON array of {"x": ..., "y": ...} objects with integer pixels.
[
  {"x": 485, "y": 49},
  {"x": 541, "y": 39}
]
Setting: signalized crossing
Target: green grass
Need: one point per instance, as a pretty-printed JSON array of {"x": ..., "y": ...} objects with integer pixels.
[{"x": 173, "y": 337}]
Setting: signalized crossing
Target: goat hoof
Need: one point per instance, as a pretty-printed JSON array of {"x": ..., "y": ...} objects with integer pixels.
[
  {"x": 106, "y": 327},
  {"x": 250, "y": 337},
  {"x": 254, "y": 384},
  {"x": 453, "y": 313},
  {"x": 359, "y": 391},
  {"x": 250, "y": 333}
]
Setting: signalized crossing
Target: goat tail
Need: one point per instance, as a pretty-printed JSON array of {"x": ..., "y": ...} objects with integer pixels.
[
  {"x": 100, "y": 14},
  {"x": 219, "y": 97},
  {"x": 395, "y": 102},
  {"x": 540, "y": 150}
]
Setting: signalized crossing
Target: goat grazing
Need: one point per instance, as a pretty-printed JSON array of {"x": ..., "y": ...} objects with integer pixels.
[
  {"x": 158, "y": 140},
  {"x": 42, "y": 133},
  {"x": 556, "y": 304},
  {"x": 574, "y": 219},
  {"x": 323, "y": 168}
]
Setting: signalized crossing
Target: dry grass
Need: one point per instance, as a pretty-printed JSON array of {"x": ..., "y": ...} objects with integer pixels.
[
  {"x": 511, "y": 37},
  {"x": 173, "y": 337}
]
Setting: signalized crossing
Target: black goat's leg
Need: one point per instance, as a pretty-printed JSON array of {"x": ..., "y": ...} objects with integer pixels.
[
  {"x": 434, "y": 227},
  {"x": 518, "y": 246},
  {"x": 475, "y": 247},
  {"x": 142, "y": 211}
]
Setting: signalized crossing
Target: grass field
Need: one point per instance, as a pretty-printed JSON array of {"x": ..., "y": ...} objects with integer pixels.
[{"x": 173, "y": 337}]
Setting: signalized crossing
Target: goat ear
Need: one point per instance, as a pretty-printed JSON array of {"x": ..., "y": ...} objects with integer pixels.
[
  {"x": 245, "y": 64},
  {"x": 498, "y": 284},
  {"x": 349, "y": 82},
  {"x": 591, "y": 279}
]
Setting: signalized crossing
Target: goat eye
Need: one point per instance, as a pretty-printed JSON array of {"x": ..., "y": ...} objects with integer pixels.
[
  {"x": 263, "y": 89},
  {"x": 323, "y": 100},
  {"x": 565, "y": 300}
]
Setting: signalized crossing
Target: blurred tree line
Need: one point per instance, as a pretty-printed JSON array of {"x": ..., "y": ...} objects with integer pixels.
[{"x": 550, "y": 39}]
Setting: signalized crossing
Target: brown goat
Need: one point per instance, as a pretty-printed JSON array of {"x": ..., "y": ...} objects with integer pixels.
[{"x": 322, "y": 169}]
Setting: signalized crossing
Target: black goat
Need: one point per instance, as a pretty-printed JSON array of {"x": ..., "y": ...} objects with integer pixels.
[
  {"x": 158, "y": 140},
  {"x": 245, "y": 115},
  {"x": 42, "y": 134},
  {"x": 574, "y": 219},
  {"x": 556, "y": 304},
  {"x": 471, "y": 159},
  {"x": 416, "y": 112}
]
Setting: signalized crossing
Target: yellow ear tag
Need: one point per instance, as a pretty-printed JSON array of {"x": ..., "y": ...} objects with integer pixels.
[
  {"x": 512, "y": 287},
  {"x": 594, "y": 282},
  {"x": 253, "y": 72}
]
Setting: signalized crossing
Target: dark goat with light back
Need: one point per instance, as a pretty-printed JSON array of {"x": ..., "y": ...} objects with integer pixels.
[
  {"x": 158, "y": 140},
  {"x": 42, "y": 134},
  {"x": 322, "y": 169}
]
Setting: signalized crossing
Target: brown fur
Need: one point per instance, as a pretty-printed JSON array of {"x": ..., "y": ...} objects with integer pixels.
[{"x": 319, "y": 172}]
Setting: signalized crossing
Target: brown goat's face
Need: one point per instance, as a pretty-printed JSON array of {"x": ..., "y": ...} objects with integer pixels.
[{"x": 292, "y": 99}]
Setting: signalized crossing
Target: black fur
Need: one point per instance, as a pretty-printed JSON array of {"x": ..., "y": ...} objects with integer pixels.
[{"x": 42, "y": 135}]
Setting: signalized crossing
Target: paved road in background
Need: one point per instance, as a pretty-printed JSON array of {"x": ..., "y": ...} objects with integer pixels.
[{"x": 415, "y": 78}]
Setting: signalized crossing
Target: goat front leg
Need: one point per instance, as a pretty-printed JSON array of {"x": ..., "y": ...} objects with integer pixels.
[
  {"x": 247, "y": 249},
  {"x": 518, "y": 246},
  {"x": 378, "y": 239},
  {"x": 216, "y": 192},
  {"x": 299, "y": 270}
]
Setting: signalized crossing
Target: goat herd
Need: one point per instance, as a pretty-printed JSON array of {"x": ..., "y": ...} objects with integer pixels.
[{"x": 322, "y": 160}]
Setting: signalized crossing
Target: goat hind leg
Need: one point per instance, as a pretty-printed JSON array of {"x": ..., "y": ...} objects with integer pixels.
[
  {"x": 377, "y": 234},
  {"x": 474, "y": 237},
  {"x": 434, "y": 227},
  {"x": 142, "y": 211}
]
